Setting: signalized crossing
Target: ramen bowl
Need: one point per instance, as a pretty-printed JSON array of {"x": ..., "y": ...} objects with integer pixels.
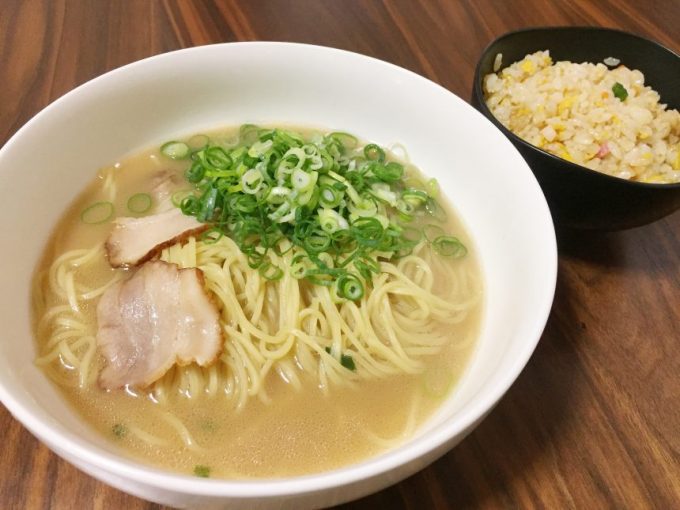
[
  {"x": 581, "y": 198},
  {"x": 49, "y": 161}
]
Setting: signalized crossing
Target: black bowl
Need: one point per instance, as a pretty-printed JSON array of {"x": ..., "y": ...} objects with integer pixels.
[{"x": 579, "y": 197}]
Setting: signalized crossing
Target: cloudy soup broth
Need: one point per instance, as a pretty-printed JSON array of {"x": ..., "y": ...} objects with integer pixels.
[{"x": 340, "y": 380}]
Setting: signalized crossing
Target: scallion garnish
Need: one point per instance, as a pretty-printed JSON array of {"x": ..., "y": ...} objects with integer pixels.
[
  {"x": 202, "y": 471},
  {"x": 99, "y": 212},
  {"x": 431, "y": 231},
  {"x": 620, "y": 91},
  {"x": 175, "y": 150},
  {"x": 449, "y": 246},
  {"x": 139, "y": 203},
  {"x": 374, "y": 152},
  {"x": 346, "y": 360},
  {"x": 119, "y": 430},
  {"x": 349, "y": 287},
  {"x": 339, "y": 205}
]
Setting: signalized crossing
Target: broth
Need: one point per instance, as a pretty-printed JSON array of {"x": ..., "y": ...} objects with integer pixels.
[{"x": 293, "y": 431}]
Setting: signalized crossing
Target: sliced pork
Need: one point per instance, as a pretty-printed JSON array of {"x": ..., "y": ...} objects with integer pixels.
[
  {"x": 164, "y": 185},
  {"x": 136, "y": 240},
  {"x": 159, "y": 317}
]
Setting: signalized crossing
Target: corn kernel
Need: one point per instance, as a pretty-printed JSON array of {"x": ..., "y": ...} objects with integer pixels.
[
  {"x": 564, "y": 105},
  {"x": 528, "y": 67}
]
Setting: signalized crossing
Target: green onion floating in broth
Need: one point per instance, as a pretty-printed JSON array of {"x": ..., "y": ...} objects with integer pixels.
[
  {"x": 449, "y": 246},
  {"x": 202, "y": 471},
  {"x": 175, "y": 150},
  {"x": 97, "y": 213},
  {"x": 119, "y": 430},
  {"x": 139, "y": 203}
]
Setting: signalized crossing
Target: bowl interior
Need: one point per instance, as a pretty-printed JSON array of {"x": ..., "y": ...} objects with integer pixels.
[{"x": 51, "y": 159}]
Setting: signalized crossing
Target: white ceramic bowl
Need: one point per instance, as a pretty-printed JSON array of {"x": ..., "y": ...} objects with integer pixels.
[{"x": 51, "y": 158}]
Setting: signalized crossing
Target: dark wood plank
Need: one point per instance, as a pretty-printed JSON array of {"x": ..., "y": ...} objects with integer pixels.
[{"x": 592, "y": 422}]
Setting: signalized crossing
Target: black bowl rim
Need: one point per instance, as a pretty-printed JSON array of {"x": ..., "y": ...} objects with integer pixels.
[{"x": 479, "y": 92}]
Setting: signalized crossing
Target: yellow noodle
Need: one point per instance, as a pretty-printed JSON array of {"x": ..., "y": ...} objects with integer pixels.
[
  {"x": 146, "y": 437},
  {"x": 283, "y": 328}
]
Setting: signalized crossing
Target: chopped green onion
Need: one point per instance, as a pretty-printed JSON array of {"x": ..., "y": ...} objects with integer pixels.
[
  {"x": 278, "y": 194},
  {"x": 367, "y": 231},
  {"x": 119, "y": 430},
  {"x": 217, "y": 157},
  {"x": 139, "y": 203},
  {"x": 367, "y": 267},
  {"x": 190, "y": 205},
  {"x": 435, "y": 210},
  {"x": 297, "y": 270},
  {"x": 270, "y": 272},
  {"x": 373, "y": 152},
  {"x": 431, "y": 232},
  {"x": 208, "y": 425},
  {"x": 345, "y": 139},
  {"x": 198, "y": 141},
  {"x": 317, "y": 243},
  {"x": 303, "y": 181},
  {"x": 195, "y": 173},
  {"x": 332, "y": 221},
  {"x": 346, "y": 360},
  {"x": 415, "y": 197},
  {"x": 382, "y": 191},
  {"x": 329, "y": 196},
  {"x": 620, "y": 91},
  {"x": 175, "y": 150},
  {"x": 433, "y": 187},
  {"x": 449, "y": 246},
  {"x": 97, "y": 213},
  {"x": 248, "y": 133},
  {"x": 212, "y": 235},
  {"x": 251, "y": 181},
  {"x": 391, "y": 172},
  {"x": 339, "y": 205},
  {"x": 406, "y": 209},
  {"x": 350, "y": 287},
  {"x": 180, "y": 195},
  {"x": 206, "y": 210},
  {"x": 202, "y": 471}
]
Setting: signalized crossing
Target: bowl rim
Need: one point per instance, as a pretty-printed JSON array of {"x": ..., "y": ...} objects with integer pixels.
[
  {"x": 263, "y": 488},
  {"x": 478, "y": 91}
]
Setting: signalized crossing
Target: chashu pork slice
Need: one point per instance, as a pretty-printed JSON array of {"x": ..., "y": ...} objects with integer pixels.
[
  {"x": 136, "y": 240},
  {"x": 164, "y": 184},
  {"x": 159, "y": 317}
]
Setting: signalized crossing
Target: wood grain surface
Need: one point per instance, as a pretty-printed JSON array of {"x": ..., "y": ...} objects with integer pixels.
[{"x": 594, "y": 419}]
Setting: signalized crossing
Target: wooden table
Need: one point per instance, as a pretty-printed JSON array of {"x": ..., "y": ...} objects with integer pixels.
[{"x": 594, "y": 419}]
